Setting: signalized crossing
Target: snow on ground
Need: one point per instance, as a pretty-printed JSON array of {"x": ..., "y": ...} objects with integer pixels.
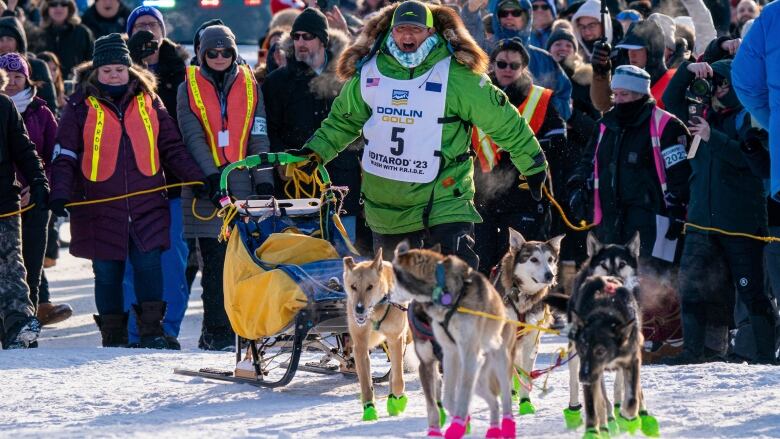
[{"x": 70, "y": 387}]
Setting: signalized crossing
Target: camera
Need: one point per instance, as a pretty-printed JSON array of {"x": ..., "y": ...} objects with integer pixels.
[
  {"x": 698, "y": 95},
  {"x": 702, "y": 88}
]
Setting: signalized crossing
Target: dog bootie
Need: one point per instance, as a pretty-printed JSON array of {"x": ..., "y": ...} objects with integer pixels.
[
  {"x": 629, "y": 425},
  {"x": 508, "y": 427},
  {"x": 396, "y": 404},
  {"x": 613, "y": 427},
  {"x": 527, "y": 407},
  {"x": 616, "y": 410},
  {"x": 604, "y": 432},
  {"x": 434, "y": 432},
  {"x": 591, "y": 433},
  {"x": 573, "y": 417},
  {"x": 442, "y": 414},
  {"x": 457, "y": 428},
  {"x": 494, "y": 432},
  {"x": 649, "y": 424},
  {"x": 369, "y": 412}
]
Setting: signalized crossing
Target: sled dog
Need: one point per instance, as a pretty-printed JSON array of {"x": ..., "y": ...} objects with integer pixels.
[
  {"x": 371, "y": 320},
  {"x": 475, "y": 350},
  {"x": 525, "y": 276}
]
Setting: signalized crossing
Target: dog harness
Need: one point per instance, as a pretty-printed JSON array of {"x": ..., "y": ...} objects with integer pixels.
[
  {"x": 658, "y": 120},
  {"x": 421, "y": 330}
]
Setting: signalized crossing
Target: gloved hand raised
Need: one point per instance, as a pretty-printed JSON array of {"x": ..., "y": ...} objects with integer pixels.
[
  {"x": 141, "y": 45},
  {"x": 536, "y": 183},
  {"x": 600, "y": 60}
]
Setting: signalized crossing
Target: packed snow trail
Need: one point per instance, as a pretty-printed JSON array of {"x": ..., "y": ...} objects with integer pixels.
[{"x": 70, "y": 387}]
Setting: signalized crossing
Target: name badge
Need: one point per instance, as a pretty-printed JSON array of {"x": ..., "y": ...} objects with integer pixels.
[{"x": 223, "y": 138}]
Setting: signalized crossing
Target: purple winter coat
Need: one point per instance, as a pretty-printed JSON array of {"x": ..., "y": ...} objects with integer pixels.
[
  {"x": 103, "y": 231},
  {"x": 42, "y": 129}
]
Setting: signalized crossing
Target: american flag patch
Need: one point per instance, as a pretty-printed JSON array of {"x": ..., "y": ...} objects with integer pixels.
[
  {"x": 372, "y": 82},
  {"x": 433, "y": 86}
]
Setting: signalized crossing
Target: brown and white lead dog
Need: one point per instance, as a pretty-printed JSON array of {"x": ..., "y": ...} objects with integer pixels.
[
  {"x": 372, "y": 320},
  {"x": 526, "y": 274}
]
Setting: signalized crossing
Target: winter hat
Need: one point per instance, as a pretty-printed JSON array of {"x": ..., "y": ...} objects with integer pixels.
[
  {"x": 217, "y": 37},
  {"x": 140, "y": 12},
  {"x": 11, "y": 27},
  {"x": 13, "y": 62},
  {"x": 414, "y": 13},
  {"x": 111, "y": 49},
  {"x": 513, "y": 44},
  {"x": 667, "y": 25},
  {"x": 312, "y": 21},
  {"x": 561, "y": 34},
  {"x": 631, "y": 78}
]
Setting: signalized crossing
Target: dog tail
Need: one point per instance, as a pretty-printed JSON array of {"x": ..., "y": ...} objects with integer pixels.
[{"x": 557, "y": 301}]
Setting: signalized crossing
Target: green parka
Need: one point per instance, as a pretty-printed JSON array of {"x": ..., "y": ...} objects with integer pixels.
[{"x": 395, "y": 207}]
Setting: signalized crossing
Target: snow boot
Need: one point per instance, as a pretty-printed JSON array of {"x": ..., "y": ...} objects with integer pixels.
[
  {"x": 49, "y": 314},
  {"x": 113, "y": 329},
  {"x": 694, "y": 335},
  {"x": 526, "y": 407},
  {"x": 572, "y": 416},
  {"x": 21, "y": 332},
  {"x": 764, "y": 336},
  {"x": 396, "y": 404},
  {"x": 149, "y": 316},
  {"x": 217, "y": 338}
]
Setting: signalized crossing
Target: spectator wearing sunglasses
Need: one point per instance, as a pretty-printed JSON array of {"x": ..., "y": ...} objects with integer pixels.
[
  {"x": 63, "y": 34},
  {"x": 299, "y": 97},
  {"x": 222, "y": 119},
  {"x": 499, "y": 200},
  {"x": 512, "y": 19},
  {"x": 115, "y": 111},
  {"x": 544, "y": 13}
]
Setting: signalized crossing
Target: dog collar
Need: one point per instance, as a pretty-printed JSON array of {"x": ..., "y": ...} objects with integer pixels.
[{"x": 440, "y": 294}]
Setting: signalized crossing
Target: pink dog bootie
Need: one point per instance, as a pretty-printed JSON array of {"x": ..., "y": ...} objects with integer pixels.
[
  {"x": 494, "y": 432},
  {"x": 508, "y": 427},
  {"x": 457, "y": 428},
  {"x": 434, "y": 432}
]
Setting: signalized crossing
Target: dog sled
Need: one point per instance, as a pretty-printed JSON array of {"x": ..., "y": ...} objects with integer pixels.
[{"x": 283, "y": 285}]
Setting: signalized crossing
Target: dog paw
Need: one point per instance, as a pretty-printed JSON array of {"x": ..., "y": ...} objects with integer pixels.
[
  {"x": 369, "y": 412},
  {"x": 616, "y": 410},
  {"x": 649, "y": 424},
  {"x": 613, "y": 427},
  {"x": 396, "y": 404},
  {"x": 573, "y": 417},
  {"x": 508, "y": 427},
  {"x": 434, "y": 432},
  {"x": 494, "y": 433},
  {"x": 457, "y": 428},
  {"x": 442, "y": 414},
  {"x": 629, "y": 425},
  {"x": 604, "y": 432},
  {"x": 526, "y": 407},
  {"x": 591, "y": 433}
]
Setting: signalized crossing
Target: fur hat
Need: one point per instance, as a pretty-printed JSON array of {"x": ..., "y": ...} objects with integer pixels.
[
  {"x": 314, "y": 22},
  {"x": 111, "y": 49},
  {"x": 631, "y": 78}
]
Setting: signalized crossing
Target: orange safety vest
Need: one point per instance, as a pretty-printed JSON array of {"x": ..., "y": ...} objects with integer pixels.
[
  {"x": 103, "y": 131},
  {"x": 533, "y": 109},
  {"x": 658, "y": 89},
  {"x": 241, "y": 104}
]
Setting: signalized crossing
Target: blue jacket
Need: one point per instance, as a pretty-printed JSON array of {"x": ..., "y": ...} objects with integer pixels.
[
  {"x": 754, "y": 75},
  {"x": 546, "y": 72},
  {"x": 539, "y": 37}
]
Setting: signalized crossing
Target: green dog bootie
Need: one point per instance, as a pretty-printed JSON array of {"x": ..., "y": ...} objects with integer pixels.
[
  {"x": 396, "y": 404},
  {"x": 604, "y": 432},
  {"x": 591, "y": 433},
  {"x": 649, "y": 424},
  {"x": 613, "y": 427},
  {"x": 616, "y": 410},
  {"x": 442, "y": 414},
  {"x": 526, "y": 407},
  {"x": 573, "y": 417},
  {"x": 369, "y": 412},
  {"x": 629, "y": 425}
]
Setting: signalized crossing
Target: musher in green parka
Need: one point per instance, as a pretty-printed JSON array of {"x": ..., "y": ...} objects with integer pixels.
[{"x": 416, "y": 83}]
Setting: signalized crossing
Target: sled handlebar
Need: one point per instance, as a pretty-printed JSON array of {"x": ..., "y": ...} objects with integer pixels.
[{"x": 268, "y": 159}]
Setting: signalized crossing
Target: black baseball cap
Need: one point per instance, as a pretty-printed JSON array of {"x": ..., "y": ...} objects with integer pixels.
[{"x": 413, "y": 13}]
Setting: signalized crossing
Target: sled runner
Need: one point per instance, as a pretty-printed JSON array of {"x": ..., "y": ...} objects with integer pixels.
[{"x": 283, "y": 285}]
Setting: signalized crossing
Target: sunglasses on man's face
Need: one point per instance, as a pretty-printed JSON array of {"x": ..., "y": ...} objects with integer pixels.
[
  {"x": 306, "y": 36},
  {"x": 541, "y": 7},
  {"x": 224, "y": 53},
  {"x": 507, "y": 12},
  {"x": 512, "y": 65}
]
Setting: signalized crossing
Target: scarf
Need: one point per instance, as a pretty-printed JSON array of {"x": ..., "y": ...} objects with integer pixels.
[
  {"x": 23, "y": 99},
  {"x": 413, "y": 59},
  {"x": 628, "y": 112},
  {"x": 115, "y": 92}
]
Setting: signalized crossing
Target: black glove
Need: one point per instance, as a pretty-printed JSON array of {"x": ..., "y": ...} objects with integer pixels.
[
  {"x": 57, "y": 207},
  {"x": 600, "y": 60},
  {"x": 215, "y": 194},
  {"x": 306, "y": 152},
  {"x": 755, "y": 139},
  {"x": 39, "y": 195},
  {"x": 264, "y": 189},
  {"x": 578, "y": 203},
  {"x": 202, "y": 190},
  {"x": 677, "y": 214},
  {"x": 141, "y": 45},
  {"x": 536, "y": 183}
]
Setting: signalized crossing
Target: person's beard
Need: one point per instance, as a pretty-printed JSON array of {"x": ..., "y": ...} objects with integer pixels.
[{"x": 309, "y": 58}]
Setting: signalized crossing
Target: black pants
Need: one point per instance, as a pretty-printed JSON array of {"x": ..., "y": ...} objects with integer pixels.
[
  {"x": 213, "y": 253},
  {"x": 492, "y": 235},
  {"x": 455, "y": 239},
  {"x": 109, "y": 274},
  {"x": 704, "y": 292},
  {"x": 35, "y": 232}
]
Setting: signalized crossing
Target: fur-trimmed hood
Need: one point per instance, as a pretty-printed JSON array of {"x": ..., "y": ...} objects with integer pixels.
[
  {"x": 141, "y": 80},
  {"x": 447, "y": 23},
  {"x": 327, "y": 84},
  {"x": 578, "y": 71}
]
